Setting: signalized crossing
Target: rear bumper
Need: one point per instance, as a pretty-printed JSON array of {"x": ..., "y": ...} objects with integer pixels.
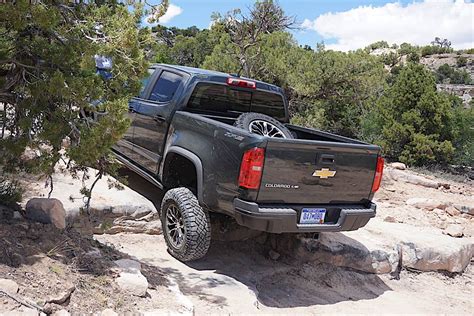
[{"x": 285, "y": 219}]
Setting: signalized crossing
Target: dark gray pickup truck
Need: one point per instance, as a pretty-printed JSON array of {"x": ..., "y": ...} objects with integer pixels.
[{"x": 217, "y": 142}]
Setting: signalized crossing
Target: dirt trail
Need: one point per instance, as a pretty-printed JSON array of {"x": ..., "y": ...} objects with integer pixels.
[{"x": 237, "y": 278}]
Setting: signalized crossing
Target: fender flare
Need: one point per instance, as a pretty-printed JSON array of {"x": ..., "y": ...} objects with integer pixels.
[{"x": 197, "y": 164}]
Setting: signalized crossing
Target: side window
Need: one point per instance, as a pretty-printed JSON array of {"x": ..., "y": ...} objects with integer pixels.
[
  {"x": 165, "y": 87},
  {"x": 144, "y": 82}
]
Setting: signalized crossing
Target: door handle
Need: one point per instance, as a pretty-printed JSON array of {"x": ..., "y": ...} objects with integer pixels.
[{"x": 159, "y": 118}]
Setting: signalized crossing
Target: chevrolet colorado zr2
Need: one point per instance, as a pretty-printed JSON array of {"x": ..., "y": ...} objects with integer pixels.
[{"x": 216, "y": 142}]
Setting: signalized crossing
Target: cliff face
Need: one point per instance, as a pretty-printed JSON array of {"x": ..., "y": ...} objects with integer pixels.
[
  {"x": 465, "y": 92},
  {"x": 459, "y": 62}
]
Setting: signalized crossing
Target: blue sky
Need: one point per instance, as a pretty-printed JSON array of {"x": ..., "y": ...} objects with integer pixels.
[{"x": 350, "y": 24}]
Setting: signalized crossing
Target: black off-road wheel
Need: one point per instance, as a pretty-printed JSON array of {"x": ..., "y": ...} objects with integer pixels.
[
  {"x": 186, "y": 225},
  {"x": 262, "y": 124}
]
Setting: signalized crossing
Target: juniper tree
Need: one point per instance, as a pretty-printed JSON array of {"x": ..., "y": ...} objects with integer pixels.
[{"x": 48, "y": 77}]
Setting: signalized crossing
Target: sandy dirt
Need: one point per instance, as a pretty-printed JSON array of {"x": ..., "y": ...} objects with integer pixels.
[{"x": 46, "y": 262}]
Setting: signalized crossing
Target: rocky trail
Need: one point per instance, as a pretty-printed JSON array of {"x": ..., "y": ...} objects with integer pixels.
[
  {"x": 240, "y": 279},
  {"x": 414, "y": 257}
]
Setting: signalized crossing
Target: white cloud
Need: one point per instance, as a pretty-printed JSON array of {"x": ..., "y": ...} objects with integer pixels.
[
  {"x": 416, "y": 23},
  {"x": 173, "y": 11}
]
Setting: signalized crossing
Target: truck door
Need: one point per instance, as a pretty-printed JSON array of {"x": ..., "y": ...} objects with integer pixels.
[
  {"x": 125, "y": 145},
  {"x": 152, "y": 119}
]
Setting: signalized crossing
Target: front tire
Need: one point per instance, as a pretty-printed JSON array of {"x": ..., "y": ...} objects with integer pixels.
[{"x": 186, "y": 226}]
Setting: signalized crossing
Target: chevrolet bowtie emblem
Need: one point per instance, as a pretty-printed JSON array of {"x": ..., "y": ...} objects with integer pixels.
[{"x": 324, "y": 173}]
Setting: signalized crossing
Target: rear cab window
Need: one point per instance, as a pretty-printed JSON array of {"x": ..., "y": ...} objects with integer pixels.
[{"x": 215, "y": 99}]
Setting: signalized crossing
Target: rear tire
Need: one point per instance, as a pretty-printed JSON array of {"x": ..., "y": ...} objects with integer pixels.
[
  {"x": 262, "y": 124},
  {"x": 186, "y": 226}
]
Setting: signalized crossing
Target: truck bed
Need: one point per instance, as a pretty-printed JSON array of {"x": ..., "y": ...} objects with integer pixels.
[
  {"x": 298, "y": 131},
  {"x": 292, "y": 168}
]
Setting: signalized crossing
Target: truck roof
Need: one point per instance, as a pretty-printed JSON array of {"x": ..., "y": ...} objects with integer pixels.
[{"x": 212, "y": 73}]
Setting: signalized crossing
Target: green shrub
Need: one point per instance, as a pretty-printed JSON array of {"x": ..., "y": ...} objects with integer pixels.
[
  {"x": 412, "y": 121},
  {"x": 312, "y": 117},
  {"x": 10, "y": 191},
  {"x": 461, "y": 61},
  {"x": 412, "y": 52},
  {"x": 425, "y": 149},
  {"x": 448, "y": 74},
  {"x": 469, "y": 51},
  {"x": 377, "y": 45},
  {"x": 463, "y": 130},
  {"x": 431, "y": 50},
  {"x": 390, "y": 59}
]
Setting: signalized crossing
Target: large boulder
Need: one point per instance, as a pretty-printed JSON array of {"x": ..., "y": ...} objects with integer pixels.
[
  {"x": 382, "y": 247},
  {"x": 126, "y": 225},
  {"x": 131, "y": 279},
  {"x": 338, "y": 249},
  {"x": 422, "y": 248},
  {"x": 47, "y": 211},
  {"x": 134, "y": 283}
]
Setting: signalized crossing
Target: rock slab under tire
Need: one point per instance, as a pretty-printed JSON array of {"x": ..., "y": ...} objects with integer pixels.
[
  {"x": 244, "y": 121},
  {"x": 197, "y": 237}
]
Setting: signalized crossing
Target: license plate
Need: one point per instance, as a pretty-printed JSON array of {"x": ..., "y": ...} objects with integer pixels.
[{"x": 312, "y": 216}]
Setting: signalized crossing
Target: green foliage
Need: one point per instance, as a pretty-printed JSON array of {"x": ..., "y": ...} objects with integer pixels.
[
  {"x": 461, "y": 61},
  {"x": 463, "y": 132},
  {"x": 390, "y": 59},
  {"x": 48, "y": 78},
  {"x": 312, "y": 117},
  {"x": 187, "y": 47},
  {"x": 377, "y": 45},
  {"x": 448, "y": 74},
  {"x": 407, "y": 49},
  {"x": 243, "y": 36},
  {"x": 434, "y": 49},
  {"x": 414, "y": 121},
  {"x": 469, "y": 51},
  {"x": 344, "y": 85},
  {"x": 10, "y": 191}
]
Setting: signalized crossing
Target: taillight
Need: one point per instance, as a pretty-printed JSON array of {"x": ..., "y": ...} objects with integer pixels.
[
  {"x": 251, "y": 168},
  {"x": 378, "y": 174},
  {"x": 241, "y": 83}
]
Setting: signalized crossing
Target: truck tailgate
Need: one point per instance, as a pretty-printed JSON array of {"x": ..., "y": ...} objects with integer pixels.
[{"x": 317, "y": 172}]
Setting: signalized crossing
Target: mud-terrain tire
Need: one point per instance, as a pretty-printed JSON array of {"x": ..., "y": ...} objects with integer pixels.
[
  {"x": 186, "y": 225},
  {"x": 255, "y": 123}
]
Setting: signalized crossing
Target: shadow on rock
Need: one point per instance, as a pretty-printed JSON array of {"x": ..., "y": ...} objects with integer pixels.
[{"x": 289, "y": 281}]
